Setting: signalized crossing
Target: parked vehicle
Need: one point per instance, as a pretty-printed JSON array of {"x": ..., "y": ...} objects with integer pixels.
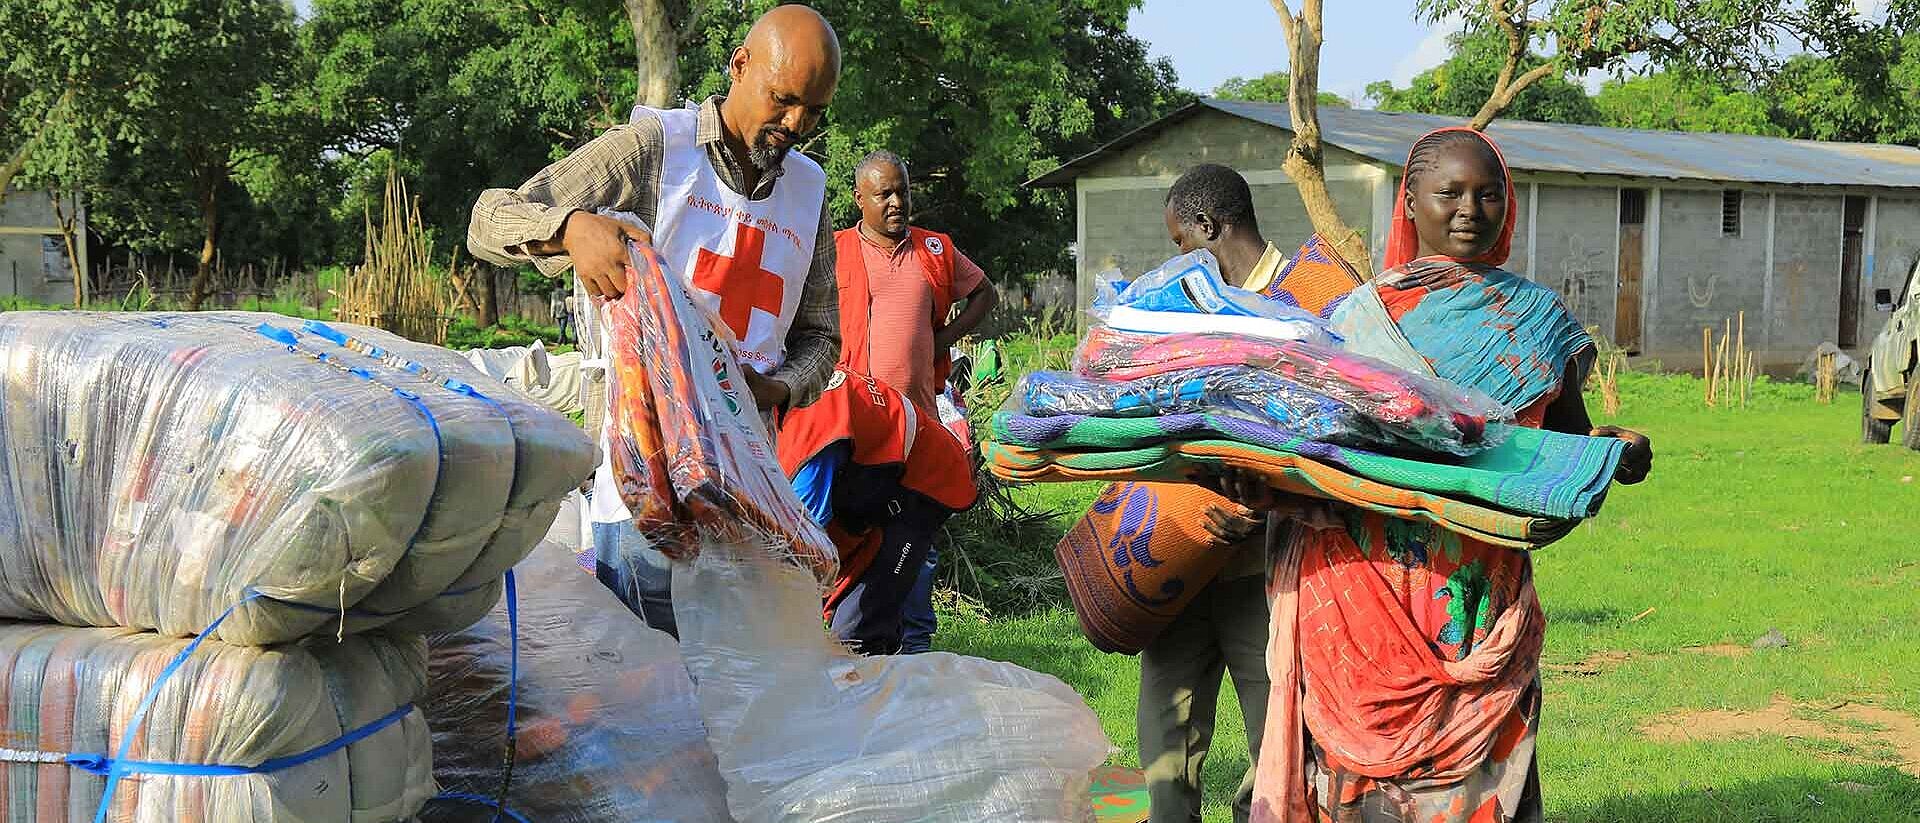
[{"x": 1890, "y": 386}]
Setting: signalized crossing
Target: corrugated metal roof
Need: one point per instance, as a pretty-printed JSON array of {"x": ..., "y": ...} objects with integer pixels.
[{"x": 1555, "y": 147}]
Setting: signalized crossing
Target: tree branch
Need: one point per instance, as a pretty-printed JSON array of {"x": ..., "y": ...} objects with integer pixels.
[
  {"x": 25, "y": 151},
  {"x": 1502, "y": 99},
  {"x": 1287, "y": 24}
]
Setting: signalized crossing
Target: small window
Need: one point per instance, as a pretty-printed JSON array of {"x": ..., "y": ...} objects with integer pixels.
[
  {"x": 1730, "y": 213},
  {"x": 1633, "y": 207}
]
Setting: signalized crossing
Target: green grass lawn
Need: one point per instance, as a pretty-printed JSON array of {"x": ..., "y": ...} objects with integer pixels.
[{"x": 1768, "y": 517}]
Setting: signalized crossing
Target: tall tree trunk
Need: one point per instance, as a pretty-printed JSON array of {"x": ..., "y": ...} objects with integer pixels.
[
  {"x": 1305, "y": 163},
  {"x": 656, "y": 49},
  {"x": 209, "y": 214},
  {"x": 65, "y": 224},
  {"x": 489, "y": 296}
]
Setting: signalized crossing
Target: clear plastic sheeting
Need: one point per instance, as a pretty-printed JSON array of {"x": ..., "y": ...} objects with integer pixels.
[
  {"x": 1186, "y": 294},
  {"x": 608, "y": 729},
  {"x": 74, "y": 691},
  {"x": 157, "y": 468},
  {"x": 1403, "y": 408},
  {"x": 807, "y": 733}
]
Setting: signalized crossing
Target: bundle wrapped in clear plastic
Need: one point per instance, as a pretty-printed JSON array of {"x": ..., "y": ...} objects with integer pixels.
[
  {"x": 690, "y": 450},
  {"x": 1186, "y": 294},
  {"x": 1411, "y": 409},
  {"x": 805, "y": 732},
  {"x": 1259, "y": 395},
  {"x": 158, "y": 468},
  {"x": 607, "y": 726},
  {"x": 312, "y": 731}
]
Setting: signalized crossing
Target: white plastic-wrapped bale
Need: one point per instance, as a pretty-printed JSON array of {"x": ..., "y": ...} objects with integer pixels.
[
  {"x": 607, "y": 728},
  {"x": 158, "y": 467},
  {"x": 805, "y": 732},
  {"x": 552, "y": 456},
  {"x": 75, "y": 691}
]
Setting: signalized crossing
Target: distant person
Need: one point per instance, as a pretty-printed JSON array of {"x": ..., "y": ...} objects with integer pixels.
[
  {"x": 1406, "y": 668},
  {"x": 734, "y": 210},
  {"x": 560, "y": 303},
  {"x": 1223, "y": 630},
  {"x": 899, "y": 286}
]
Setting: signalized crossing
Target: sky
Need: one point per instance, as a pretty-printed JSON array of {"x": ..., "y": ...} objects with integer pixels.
[{"x": 1365, "y": 40}]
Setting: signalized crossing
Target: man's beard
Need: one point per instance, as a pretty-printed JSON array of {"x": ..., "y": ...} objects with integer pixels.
[{"x": 763, "y": 155}]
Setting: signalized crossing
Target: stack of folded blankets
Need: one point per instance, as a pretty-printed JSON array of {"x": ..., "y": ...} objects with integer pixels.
[
  {"x": 303, "y": 501},
  {"x": 1145, "y": 407}
]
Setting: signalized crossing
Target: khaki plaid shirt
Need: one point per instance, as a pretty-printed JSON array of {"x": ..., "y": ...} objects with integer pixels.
[{"x": 620, "y": 170}]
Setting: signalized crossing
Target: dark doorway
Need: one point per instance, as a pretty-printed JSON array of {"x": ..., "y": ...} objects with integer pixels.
[
  {"x": 1852, "y": 252},
  {"x": 1626, "y": 307}
]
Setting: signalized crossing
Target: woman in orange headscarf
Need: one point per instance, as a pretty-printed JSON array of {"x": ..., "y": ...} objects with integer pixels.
[{"x": 1405, "y": 659}]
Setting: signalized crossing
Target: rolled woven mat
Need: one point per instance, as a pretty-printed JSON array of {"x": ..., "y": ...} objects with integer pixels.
[
  {"x": 158, "y": 468},
  {"x": 74, "y": 692},
  {"x": 1136, "y": 559},
  {"x": 1179, "y": 461},
  {"x": 1526, "y": 471}
]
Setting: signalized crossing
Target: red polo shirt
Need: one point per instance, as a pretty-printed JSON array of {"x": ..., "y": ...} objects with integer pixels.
[{"x": 899, "y": 331}]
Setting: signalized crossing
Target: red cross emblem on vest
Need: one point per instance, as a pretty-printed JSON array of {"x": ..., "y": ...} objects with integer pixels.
[{"x": 739, "y": 281}]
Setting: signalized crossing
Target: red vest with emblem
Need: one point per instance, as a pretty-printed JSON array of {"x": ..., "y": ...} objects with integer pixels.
[
  {"x": 884, "y": 428},
  {"x": 935, "y": 254}
]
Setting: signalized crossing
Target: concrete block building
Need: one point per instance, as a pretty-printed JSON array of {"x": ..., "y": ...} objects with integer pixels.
[
  {"x": 1647, "y": 235},
  {"x": 33, "y": 254}
]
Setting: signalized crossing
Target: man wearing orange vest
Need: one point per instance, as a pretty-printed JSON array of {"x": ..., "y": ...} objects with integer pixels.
[{"x": 899, "y": 285}]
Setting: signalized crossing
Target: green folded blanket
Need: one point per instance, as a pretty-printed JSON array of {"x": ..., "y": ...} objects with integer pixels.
[{"x": 1527, "y": 471}]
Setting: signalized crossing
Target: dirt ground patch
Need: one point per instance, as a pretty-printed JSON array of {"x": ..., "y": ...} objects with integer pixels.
[
  {"x": 1720, "y": 650},
  {"x": 1888, "y": 728},
  {"x": 1607, "y": 660},
  {"x": 1599, "y": 662}
]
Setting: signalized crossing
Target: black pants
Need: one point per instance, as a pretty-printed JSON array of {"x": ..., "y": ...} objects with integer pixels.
[{"x": 871, "y": 618}]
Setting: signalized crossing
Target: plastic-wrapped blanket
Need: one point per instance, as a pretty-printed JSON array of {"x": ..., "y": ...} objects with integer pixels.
[
  {"x": 1255, "y": 394},
  {"x": 1423, "y": 412},
  {"x": 691, "y": 451},
  {"x": 608, "y": 729},
  {"x": 807, "y": 733},
  {"x": 74, "y": 691},
  {"x": 158, "y": 468}
]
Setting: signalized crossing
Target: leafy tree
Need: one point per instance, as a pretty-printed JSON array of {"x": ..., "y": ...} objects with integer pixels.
[
  {"x": 1717, "y": 36},
  {"x": 978, "y": 96},
  {"x": 1271, "y": 88},
  {"x": 1463, "y": 84},
  {"x": 1862, "y": 84},
  {"x": 1677, "y": 101},
  {"x": 167, "y": 97}
]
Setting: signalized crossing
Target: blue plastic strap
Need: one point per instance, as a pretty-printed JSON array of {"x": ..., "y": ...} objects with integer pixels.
[
  {"x": 116, "y": 768},
  {"x": 498, "y": 808},
  {"x": 103, "y": 765},
  {"x": 513, "y": 690}
]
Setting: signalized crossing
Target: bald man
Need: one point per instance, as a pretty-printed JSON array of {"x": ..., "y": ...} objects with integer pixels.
[{"x": 736, "y": 212}]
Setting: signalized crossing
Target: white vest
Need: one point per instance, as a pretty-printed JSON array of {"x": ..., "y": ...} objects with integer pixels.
[{"x": 746, "y": 261}]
